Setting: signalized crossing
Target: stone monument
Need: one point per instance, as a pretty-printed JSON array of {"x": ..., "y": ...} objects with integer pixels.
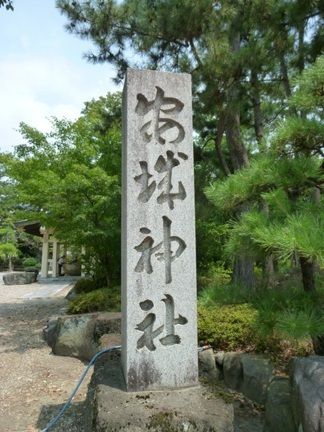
[{"x": 159, "y": 330}]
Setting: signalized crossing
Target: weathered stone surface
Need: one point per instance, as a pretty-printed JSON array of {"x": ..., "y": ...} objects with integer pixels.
[
  {"x": 207, "y": 365},
  {"x": 219, "y": 357},
  {"x": 257, "y": 374},
  {"x": 19, "y": 278},
  {"x": 158, "y": 240},
  {"x": 232, "y": 370},
  {"x": 307, "y": 380},
  {"x": 278, "y": 407},
  {"x": 80, "y": 335},
  {"x": 194, "y": 409}
]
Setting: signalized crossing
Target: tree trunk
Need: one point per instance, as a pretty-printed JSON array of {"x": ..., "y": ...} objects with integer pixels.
[
  {"x": 301, "y": 47},
  {"x": 284, "y": 76},
  {"x": 268, "y": 267},
  {"x": 258, "y": 122},
  {"x": 308, "y": 274},
  {"x": 218, "y": 145},
  {"x": 243, "y": 271},
  {"x": 10, "y": 264},
  {"x": 318, "y": 345},
  {"x": 269, "y": 272}
]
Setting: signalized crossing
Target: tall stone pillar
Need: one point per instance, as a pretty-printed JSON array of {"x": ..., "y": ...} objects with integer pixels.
[
  {"x": 159, "y": 330},
  {"x": 44, "y": 267},
  {"x": 54, "y": 258}
]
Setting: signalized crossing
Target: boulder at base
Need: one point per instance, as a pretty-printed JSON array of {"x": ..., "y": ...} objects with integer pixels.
[
  {"x": 80, "y": 335},
  {"x": 278, "y": 410},
  {"x": 194, "y": 409},
  {"x": 307, "y": 379},
  {"x": 19, "y": 278}
]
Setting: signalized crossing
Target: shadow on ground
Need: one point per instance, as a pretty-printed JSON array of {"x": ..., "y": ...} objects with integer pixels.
[
  {"x": 21, "y": 323},
  {"x": 76, "y": 419},
  {"x": 246, "y": 418}
]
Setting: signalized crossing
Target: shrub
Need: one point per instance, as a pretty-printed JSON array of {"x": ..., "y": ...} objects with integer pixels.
[
  {"x": 227, "y": 327},
  {"x": 85, "y": 286},
  {"x": 103, "y": 299},
  {"x": 31, "y": 262},
  {"x": 215, "y": 275},
  {"x": 280, "y": 322}
]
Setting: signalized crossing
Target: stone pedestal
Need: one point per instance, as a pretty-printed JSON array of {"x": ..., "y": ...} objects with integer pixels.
[
  {"x": 159, "y": 334},
  {"x": 195, "y": 409}
]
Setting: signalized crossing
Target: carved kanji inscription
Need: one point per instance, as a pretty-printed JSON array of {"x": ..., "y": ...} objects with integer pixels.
[
  {"x": 146, "y": 248},
  {"x": 168, "y": 328},
  {"x": 162, "y": 108}
]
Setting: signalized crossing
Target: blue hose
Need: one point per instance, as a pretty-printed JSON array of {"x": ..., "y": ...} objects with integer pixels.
[{"x": 86, "y": 370}]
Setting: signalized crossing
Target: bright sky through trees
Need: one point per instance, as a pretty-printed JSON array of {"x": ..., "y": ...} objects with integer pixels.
[{"x": 42, "y": 72}]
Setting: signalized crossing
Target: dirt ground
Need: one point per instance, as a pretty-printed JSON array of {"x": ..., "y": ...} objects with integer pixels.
[{"x": 34, "y": 384}]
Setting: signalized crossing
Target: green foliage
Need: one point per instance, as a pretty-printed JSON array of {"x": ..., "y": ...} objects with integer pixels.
[
  {"x": 274, "y": 204},
  {"x": 277, "y": 319},
  {"x": 85, "y": 286},
  {"x": 210, "y": 237},
  {"x": 8, "y": 243},
  {"x": 299, "y": 134},
  {"x": 31, "y": 262},
  {"x": 309, "y": 95},
  {"x": 302, "y": 232},
  {"x": 228, "y": 327},
  {"x": 69, "y": 179},
  {"x": 103, "y": 299},
  {"x": 214, "y": 275}
]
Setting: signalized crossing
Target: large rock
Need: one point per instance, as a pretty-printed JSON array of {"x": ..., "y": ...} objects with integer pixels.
[
  {"x": 232, "y": 370},
  {"x": 278, "y": 409},
  {"x": 19, "y": 278},
  {"x": 207, "y": 365},
  {"x": 80, "y": 335},
  {"x": 307, "y": 380},
  {"x": 195, "y": 409},
  {"x": 257, "y": 375}
]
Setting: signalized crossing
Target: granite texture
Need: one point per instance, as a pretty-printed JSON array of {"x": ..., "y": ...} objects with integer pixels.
[
  {"x": 195, "y": 409},
  {"x": 159, "y": 330}
]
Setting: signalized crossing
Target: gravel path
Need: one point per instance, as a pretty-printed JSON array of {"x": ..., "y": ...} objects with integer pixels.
[{"x": 35, "y": 383}]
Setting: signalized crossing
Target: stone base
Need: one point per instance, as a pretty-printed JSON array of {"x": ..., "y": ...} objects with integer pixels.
[{"x": 195, "y": 409}]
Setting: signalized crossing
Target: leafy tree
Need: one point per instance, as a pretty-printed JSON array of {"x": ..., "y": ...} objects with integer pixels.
[
  {"x": 8, "y": 241},
  {"x": 8, "y": 244},
  {"x": 69, "y": 179}
]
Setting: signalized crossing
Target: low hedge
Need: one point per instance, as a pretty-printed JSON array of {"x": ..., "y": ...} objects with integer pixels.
[
  {"x": 228, "y": 327},
  {"x": 103, "y": 299},
  {"x": 85, "y": 286}
]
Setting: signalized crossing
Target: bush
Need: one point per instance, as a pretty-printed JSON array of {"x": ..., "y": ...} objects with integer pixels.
[
  {"x": 103, "y": 299},
  {"x": 215, "y": 275},
  {"x": 280, "y": 322},
  {"x": 31, "y": 262},
  {"x": 229, "y": 327},
  {"x": 85, "y": 286}
]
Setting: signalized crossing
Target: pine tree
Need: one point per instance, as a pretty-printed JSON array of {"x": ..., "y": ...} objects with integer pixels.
[
  {"x": 288, "y": 179},
  {"x": 241, "y": 56}
]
